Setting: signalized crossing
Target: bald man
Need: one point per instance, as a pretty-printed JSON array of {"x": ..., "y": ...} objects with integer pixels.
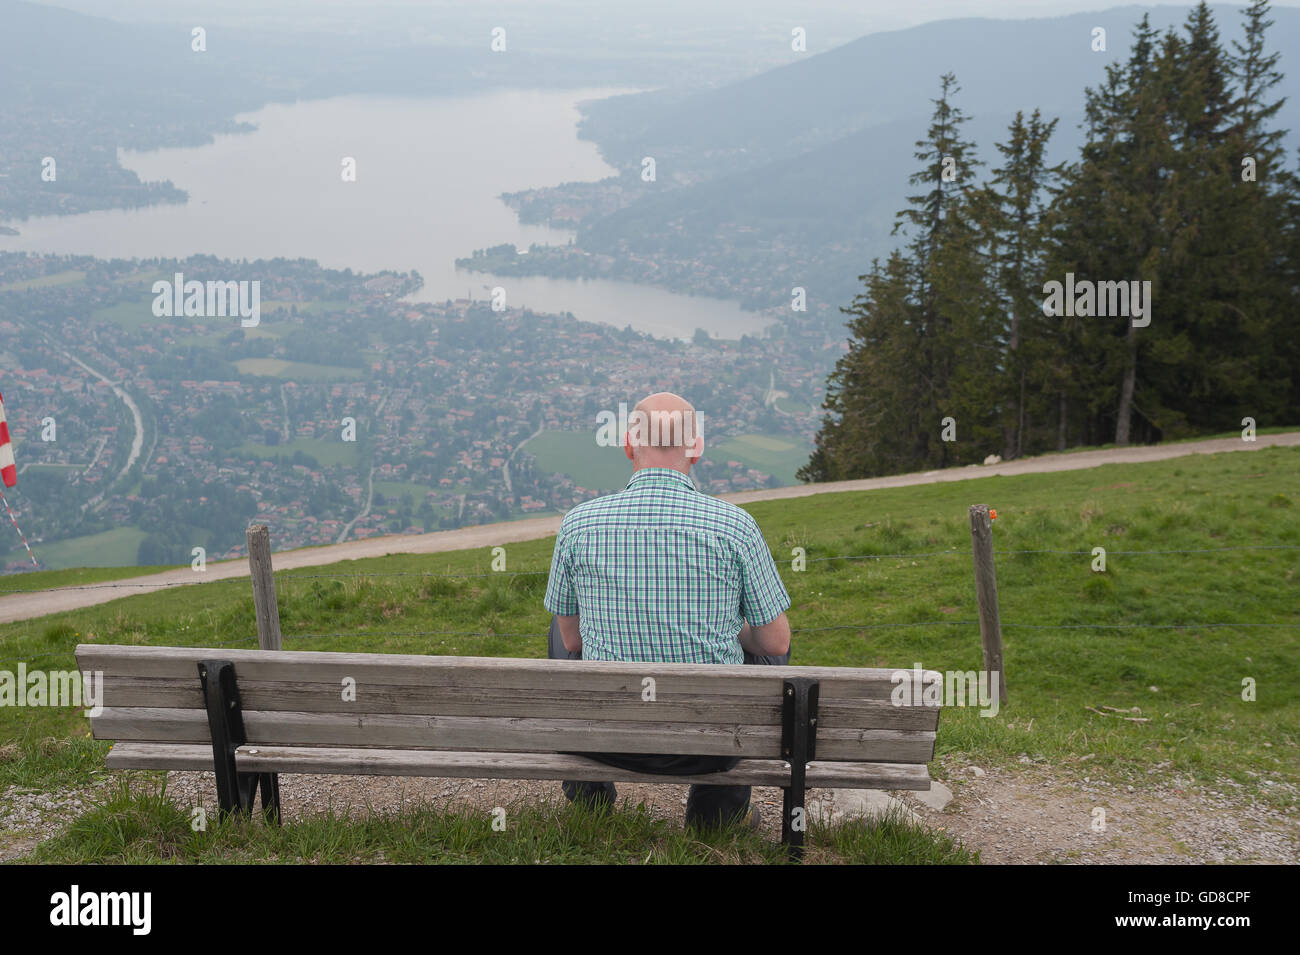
[{"x": 660, "y": 572}]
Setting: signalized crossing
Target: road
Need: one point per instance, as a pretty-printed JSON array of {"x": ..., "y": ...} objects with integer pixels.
[
  {"x": 27, "y": 606},
  {"x": 370, "y": 496},
  {"x": 137, "y": 441},
  {"x": 505, "y": 468}
]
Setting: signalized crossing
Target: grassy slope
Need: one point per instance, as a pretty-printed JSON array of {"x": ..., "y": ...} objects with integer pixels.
[
  {"x": 72, "y": 578},
  {"x": 887, "y": 612}
]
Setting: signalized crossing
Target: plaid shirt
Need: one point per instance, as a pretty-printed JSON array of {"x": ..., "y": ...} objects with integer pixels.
[{"x": 660, "y": 572}]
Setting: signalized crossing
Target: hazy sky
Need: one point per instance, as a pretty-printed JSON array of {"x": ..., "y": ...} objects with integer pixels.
[{"x": 848, "y": 17}]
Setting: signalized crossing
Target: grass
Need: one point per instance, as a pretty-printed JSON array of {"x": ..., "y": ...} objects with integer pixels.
[
  {"x": 134, "y": 315},
  {"x": 326, "y": 451},
  {"x": 576, "y": 454},
  {"x": 304, "y": 308},
  {"x": 294, "y": 370},
  {"x": 776, "y": 455},
  {"x": 109, "y": 549},
  {"x": 1162, "y": 632},
  {"x": 53, "y": 280},
  {"x": 144, "y": 825},
  {"x": 71, "y": 577},
  {"x": 394, "y": 491}
]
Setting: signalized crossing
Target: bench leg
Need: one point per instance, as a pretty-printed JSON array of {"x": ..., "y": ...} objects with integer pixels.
[
  {"x": 799, "y": 747},
  {"x": 236, "y": 791}
]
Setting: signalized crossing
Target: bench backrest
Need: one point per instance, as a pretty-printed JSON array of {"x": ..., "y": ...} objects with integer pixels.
[{"x": 307, "y": 698}]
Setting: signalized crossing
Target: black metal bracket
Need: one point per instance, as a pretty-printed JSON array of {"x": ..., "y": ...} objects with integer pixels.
[
  {"x": 798, "y": 748},
  {"x": 236, "y": 791}
]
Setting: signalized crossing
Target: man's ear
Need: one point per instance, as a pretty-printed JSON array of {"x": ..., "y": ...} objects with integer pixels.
[
  {"x": 696, "y": 449},
  {"x": 627, "y": 446}
]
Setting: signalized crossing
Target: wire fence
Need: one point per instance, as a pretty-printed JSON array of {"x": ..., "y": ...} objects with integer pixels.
[
  {"x": 136, "y": 585},
  {"x": 251, "y": 640}
]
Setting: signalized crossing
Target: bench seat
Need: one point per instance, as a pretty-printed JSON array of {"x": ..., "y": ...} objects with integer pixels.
[
  {"x": 349, "y": 761},
  {"x": 249, "y": 715}
]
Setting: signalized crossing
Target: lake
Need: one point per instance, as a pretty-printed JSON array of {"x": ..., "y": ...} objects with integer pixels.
[{"x": 429, "y": 173}]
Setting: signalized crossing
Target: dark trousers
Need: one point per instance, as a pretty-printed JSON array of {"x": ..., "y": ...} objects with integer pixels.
[{"x": 706, "y": 805}]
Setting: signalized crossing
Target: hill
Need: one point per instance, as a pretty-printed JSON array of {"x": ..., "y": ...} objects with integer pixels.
[{"x": 814, "y": 156}]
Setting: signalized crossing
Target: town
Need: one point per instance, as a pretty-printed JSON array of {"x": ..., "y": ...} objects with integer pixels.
[{"x": 348, "y": 412}]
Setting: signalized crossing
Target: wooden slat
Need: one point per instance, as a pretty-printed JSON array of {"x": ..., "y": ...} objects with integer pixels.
[
  {"x": 180, "y": 756},
  {"x": 506, "y": 672},
  {"x": 492, "y": 765},
  {"x": 668, "y": 707},
  {"x": 162, "y": 724}
]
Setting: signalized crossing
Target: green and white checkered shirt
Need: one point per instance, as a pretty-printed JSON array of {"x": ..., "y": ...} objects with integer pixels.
[{"x": 660, "y": 572}]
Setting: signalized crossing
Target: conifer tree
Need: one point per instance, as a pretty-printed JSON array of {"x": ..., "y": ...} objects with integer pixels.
[{"x": 1012, "y": 210}]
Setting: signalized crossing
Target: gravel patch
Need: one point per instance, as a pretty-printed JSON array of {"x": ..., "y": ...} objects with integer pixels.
[{"x": 1029, "y": 814}]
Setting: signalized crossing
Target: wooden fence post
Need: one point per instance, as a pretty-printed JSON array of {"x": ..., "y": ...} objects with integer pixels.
[
  {"x": 986, "y": 593},
  {"x": 259, "y": 569}
]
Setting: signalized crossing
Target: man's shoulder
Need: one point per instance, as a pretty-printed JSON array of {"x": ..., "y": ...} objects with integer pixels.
[
  {"x": 696, "y": 508},
  {"x": 590, "y": 511},
  {"x": 737, "y": 519}
]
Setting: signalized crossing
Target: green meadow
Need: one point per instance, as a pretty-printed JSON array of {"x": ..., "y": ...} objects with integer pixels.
[
  {"x": 112, "y": 548},
  {"x": 576, "y": 454},
  {"x": 327, "y": 451},
  {"x": 53, "y": 280},
  {"x": 775, "y": 454},
  {"x": 294, "y": 370}
]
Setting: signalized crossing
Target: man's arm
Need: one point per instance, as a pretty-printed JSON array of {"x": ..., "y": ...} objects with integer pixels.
[
  {"x": 762, "y": 598},
  {"x": 772, "y": 639},
  {"x": 570, "y": 634},
  {"x": 560, "y": 598}
]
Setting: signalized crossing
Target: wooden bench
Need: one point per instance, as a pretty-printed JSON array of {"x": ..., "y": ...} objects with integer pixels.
[{"x": 251, "y": 714}]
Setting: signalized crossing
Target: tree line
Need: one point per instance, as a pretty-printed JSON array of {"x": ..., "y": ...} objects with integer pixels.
[{"x": 1174, "y": 243}]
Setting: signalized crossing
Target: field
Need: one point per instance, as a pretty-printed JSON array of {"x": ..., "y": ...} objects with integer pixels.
[
  {"x": 139, "y": 314},
  {"x": 107, "y": 549},
  {"x": 326, "y": 451},
  {"x": 396, "y": 490},
  {"x": 1199, "y": 598},
  {"x": 576, "y": 454},
  {"x": 777, "y": 455},
  {"x": 294, "y": 370},
  {"x": 68, "y": 277},
  {"x": 133, "y": 315}
]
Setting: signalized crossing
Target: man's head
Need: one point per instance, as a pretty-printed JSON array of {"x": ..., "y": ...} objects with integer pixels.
[{"x": 664, "y": 431}]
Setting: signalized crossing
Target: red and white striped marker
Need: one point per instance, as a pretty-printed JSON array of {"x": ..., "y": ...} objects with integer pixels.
[
  {"x": 9, "y": 476},
  {"x": 7, "y": 470}
]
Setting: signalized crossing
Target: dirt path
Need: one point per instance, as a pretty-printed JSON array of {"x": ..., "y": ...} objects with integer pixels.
[{"x": 28, "y": 605}]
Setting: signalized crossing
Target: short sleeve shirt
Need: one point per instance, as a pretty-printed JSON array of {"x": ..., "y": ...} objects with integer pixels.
[{"x": 660, "y": 572}]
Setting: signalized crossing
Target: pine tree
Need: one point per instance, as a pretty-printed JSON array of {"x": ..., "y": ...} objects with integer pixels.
[
  {"x": 871, "y": 398},
  {"x": 1012, "y": 211},
  {"x": 918, "y": 351},
  {"x": 1112, "y": 223}
]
